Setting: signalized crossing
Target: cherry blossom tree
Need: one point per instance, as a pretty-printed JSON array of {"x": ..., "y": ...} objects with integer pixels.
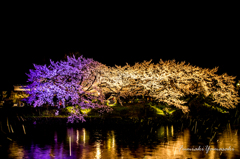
[
  {"x": 70, "y": 81},
  {"x": 168, "y": 82},
  {"x": 117, "y": 81},
  {"x": 187, "y": 80},
  {"x": 82, "y": 81}
]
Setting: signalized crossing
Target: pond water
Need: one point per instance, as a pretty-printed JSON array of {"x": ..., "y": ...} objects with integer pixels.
[{"x": 124, "y": 143}]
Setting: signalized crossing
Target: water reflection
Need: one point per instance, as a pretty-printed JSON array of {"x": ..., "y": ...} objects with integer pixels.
[
  {"x": 148, "y": 143},
  {"x": 84, "y": 136},
  {"x": 98, "y": 150}
]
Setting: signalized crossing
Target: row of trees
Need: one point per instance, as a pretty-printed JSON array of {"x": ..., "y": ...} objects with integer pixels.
[{"x": 73, "y": 81}]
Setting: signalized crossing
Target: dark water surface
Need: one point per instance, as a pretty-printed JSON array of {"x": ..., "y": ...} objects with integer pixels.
[{"x": 44, "y": 142}]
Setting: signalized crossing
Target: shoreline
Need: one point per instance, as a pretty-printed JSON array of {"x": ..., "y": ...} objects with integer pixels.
[{"x": 101, "y": 121}]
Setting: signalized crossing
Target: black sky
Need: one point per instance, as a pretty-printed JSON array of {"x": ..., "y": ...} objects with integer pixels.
[{"x": 205, "y": 43}]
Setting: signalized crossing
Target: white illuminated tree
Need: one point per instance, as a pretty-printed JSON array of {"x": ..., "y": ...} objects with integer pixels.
[
  {"x": 115, "y": 81},
  {"x": 169, "y": 81}
]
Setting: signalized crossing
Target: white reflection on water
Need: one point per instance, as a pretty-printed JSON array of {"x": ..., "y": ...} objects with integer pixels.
[
  {"x": 113, "y": 139},
  {"x": 98, "y": 150},
  {"x": 85, "y": 145},
  {"x": 84, "y": 136},
  {"x": 77, "y": 140}
]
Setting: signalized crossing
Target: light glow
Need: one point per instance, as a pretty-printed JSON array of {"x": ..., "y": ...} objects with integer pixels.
[{"x": 82, "y": 81}]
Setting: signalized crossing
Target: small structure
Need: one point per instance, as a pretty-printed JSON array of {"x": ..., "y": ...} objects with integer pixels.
[
  {"x": 3, "y": 97},
  {"x": 18, "y": 94}
]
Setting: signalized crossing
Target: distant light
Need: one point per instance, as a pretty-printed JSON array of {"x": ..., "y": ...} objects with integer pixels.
[{"x": 20, "y": 88}]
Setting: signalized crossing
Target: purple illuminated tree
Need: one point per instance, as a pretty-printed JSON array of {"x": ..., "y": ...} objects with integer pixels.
[{"x": 71, "y": 81}]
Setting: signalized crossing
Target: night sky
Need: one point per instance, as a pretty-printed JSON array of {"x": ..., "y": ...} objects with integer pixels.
[{"x": 207, "y": 44}]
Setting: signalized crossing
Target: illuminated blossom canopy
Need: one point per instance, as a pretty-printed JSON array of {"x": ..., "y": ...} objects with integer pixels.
[
  {"x": 70, "y": 81},
  {"x": 168, "y": 81},
  {"x": 74, "y": 80}
]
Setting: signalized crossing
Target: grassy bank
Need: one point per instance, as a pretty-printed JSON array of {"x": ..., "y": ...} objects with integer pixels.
[
  {"x": 137, "y": 111},
  {"x": 133, "y": 113}
]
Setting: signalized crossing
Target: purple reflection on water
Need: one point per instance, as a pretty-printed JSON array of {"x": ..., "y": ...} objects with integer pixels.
[{"x": 163, "y": 142}]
